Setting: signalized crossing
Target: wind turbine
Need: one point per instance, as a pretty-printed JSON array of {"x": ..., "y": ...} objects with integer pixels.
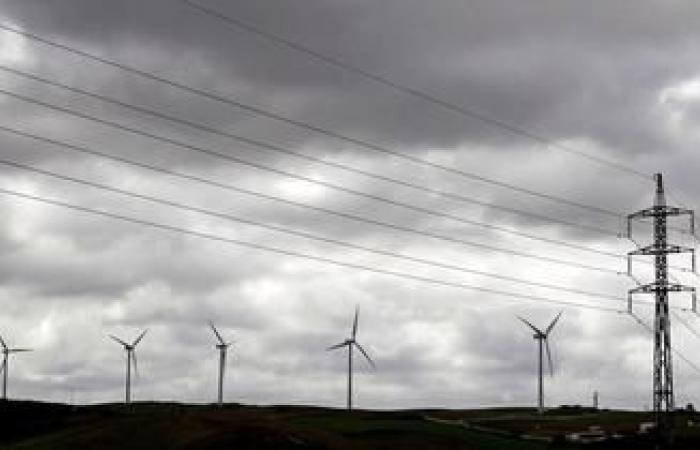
[
  {"x": 5, "y": 368},
  {"x": 222, "y": 347},
  {"x": 130, "y": 355},
  {"x": 350, "y": 343},
  {"x": 542, "y": 338}
]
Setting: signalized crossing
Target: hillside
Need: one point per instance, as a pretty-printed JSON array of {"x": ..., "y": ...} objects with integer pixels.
[{"x": 38, "y": 426}]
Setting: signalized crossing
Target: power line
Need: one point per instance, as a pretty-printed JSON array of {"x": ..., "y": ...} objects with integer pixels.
[
  {"x": 265, "y": 168},
  {"x": 692, "y": 330},
  {"x": 310, "y": 180},
  {"x": 278, "y": 117},
  {"x": 232, "y": 188},
  {"x": 278, "y": 149},
  {"x": 229, "y": 187},
  {"x": 285, "y": 230},
  {"x": 491, "y": 248},
  {"x": 301, "y": 255},
  {"x": 286, "y": 174},
  {"x": 406, "y": 89},
  {"x": 92, "y": 152},
  {"x": 688, "y": 205},
  {"x": 675, "y": 351}
]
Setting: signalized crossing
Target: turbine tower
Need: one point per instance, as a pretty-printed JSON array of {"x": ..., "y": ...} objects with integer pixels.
[
  {"x": 542, "y": 338},
  {"x": 222, "y": 346},
  {"x": 5, "y": 368},
  {"x": 130, "y": 355},
  {"x": 350, "y": 343}
]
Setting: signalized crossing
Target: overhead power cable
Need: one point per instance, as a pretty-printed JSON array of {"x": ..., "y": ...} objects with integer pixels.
[
  {"x": 225, "y": 186},
  {"x": 229, "y": 187},
  {"x": 232, "y": 188},
  {"x": 687, "y": 326},
  {"x": 677, "y": 352},
  {"x": 84, "y": 150},
  {"x": 415, "y": 208},
  {"x": 383, "y": 80},
  {"x": 278, "y": 149},
  {"x": 303, "y": 125},
  {"x": 298, "y": 233},
  {"x": 262, "y": 167},
  {"x": 530, "y": 255},
  {"x": 301, "y": 255}
]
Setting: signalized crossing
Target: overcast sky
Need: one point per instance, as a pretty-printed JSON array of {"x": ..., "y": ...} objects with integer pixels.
[{"x": 614, "y": 80}]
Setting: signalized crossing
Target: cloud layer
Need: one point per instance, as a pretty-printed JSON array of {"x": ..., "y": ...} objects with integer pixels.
[{"x": 601, "y": 78}]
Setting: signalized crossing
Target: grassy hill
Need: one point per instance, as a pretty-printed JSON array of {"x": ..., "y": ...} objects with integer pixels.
[{"x": 163, "y": 426}]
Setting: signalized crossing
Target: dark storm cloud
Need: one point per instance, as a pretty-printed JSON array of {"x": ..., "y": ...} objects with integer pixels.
[
  {"x": 565, "y": 71},
  {"x": 589, "y": 75}
]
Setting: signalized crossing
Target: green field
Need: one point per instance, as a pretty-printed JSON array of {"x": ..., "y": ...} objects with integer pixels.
[{"x": 38, "y": 426}]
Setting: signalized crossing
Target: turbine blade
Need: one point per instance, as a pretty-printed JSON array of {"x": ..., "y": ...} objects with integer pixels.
[
  {"x": 138, "y": 339},
  {"x": 534, "y": 328},
  {"x": 216, "y": 332},
  {"x": 19, "y": 350},
  {"x": 554, "y": 322},
  {"x": 337, "y": 346},
  {"x": 2, "y": 368},
  {"x": 2, "y": 342},
  {"x": 359, "y": 347},
  {"x": 354, "y": 323},
  {"x": 119, "y": 341},
  {"x": 549, "y": 357}
]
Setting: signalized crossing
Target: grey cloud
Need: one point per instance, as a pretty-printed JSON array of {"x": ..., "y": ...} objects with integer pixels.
[{"x": 587, "y": 75}]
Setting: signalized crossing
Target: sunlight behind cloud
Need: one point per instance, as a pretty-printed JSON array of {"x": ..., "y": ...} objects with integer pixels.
[
  {"x": 685, "y": 91},
  {"x": 300, "y": 190},
  {"x": 13, "y": 48},
  {"x": 678, "y": 102}
]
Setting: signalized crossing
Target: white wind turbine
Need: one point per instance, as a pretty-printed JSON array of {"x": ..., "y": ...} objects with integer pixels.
[
  {"x": 350, "y": 343},
  {"x": 542, "y": 338},
  {"x": 222, "y": 346},
  {"x": 5, "y": 368},
  {"x": 130, "y": 355}
]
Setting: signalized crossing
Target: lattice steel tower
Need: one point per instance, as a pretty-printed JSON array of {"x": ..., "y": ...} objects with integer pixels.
[{"x": 661, "y": 287}]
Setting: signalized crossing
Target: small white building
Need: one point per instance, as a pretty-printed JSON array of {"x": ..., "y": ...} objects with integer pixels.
[
  {"x": 594, "y": 434},
  {"x": 646, "y": 427}
]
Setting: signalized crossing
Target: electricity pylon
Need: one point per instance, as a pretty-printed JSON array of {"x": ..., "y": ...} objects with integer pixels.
[{"x": 660, "y": 249}]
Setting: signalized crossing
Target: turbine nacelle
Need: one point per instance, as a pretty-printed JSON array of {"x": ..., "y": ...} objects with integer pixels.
[
  {"x": 222, "y": 346},
  {"x": 4, "y": 367},
  {"x": 351, "y": 343},
  {"x": 543, "y": 341},
  {"x": 130, "y": 349}
]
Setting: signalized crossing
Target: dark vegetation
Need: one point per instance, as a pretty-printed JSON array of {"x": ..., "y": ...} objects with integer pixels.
[{"x": 163, "y": 426}]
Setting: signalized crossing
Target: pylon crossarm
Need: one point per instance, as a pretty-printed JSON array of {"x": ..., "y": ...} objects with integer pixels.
[
  {"x": 643, "y": 289},
  {"x": 640, "y": 214},
  {"x": 653, "y": 250},
  {"x": 656, "y": 211},
  {"x": 680, "y": 288},
  {"x": 673, "y": 211},
  {"x": 652, "y": 288},
  {"x": 679, "y": 249}
]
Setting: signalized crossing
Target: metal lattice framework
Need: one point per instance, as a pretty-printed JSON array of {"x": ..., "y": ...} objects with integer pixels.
[{"x": 660, "y": 249}]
